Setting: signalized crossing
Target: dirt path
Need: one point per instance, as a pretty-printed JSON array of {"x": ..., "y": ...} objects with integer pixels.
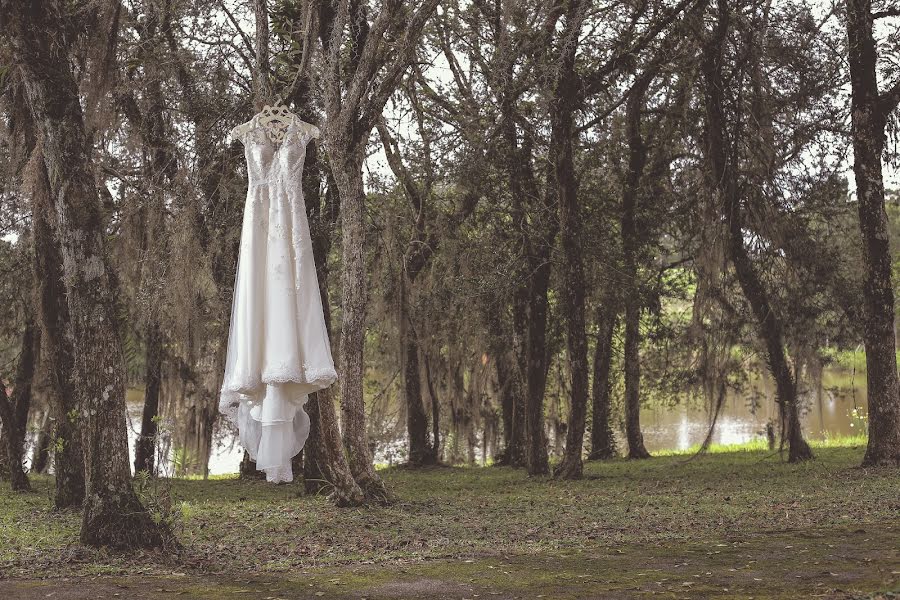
[{"x": 853, "y": 563}]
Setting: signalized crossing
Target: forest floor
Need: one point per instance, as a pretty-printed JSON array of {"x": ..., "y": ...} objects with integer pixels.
[{"x": 727, "y": 525}]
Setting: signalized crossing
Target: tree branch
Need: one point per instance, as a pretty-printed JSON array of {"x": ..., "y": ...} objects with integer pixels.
[{"x": 889, "y": 100}]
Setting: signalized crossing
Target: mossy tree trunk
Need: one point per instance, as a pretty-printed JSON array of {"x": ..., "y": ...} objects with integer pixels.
[
  {"x": 112, "y": 514},
  {"x": 324, "y": 461},
  {"x": 53, "y": 316},
  {"x": 562, "y": 140},
  {"x": 603, "y": 442},
  {"x": 419, "y": 446},
  {"x": 530, "y": 303},
  {"x": 348, "y": 175},
  {"x": 161, "y": 168}
]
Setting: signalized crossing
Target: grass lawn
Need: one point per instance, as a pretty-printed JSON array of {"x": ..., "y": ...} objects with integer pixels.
[{"x": 736, "y": 524}]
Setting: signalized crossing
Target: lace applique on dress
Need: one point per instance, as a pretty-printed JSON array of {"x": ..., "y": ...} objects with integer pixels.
[{"x": 278, "y": 348}]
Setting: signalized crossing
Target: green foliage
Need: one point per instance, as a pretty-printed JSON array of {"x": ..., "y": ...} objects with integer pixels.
[
  {"x": 184, "y": 460},
  {"x": 155, "y": 494}
]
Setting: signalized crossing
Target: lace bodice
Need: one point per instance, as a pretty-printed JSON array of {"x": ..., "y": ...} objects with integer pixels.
[{"x": 271, "y": 150}]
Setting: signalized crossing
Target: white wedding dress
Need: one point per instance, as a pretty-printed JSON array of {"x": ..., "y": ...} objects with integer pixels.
[{"x": 278, "y": 347}]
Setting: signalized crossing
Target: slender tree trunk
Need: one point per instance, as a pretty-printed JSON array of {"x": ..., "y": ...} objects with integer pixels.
[
  {"x": 327, "y": 462},
  {"x": 247, "y": 469},
  {"x": 420, "y": 452},
  {"x": 517, "y": 443},
  {"x": 530, "y": 304},
  {"x": 348, "y": 175},
  {"x": 869, "y": 115},
  {"x": 261, "y": 66},
  {"x": 161, "y": 166},
  {"x": 435, "y": 413},
  {"x": 145, "y": 448},
  {"x": 573, "y": 292},
  {"x": 314, "y": 479},
  {"x": 603, "y": 442},
  {"x": 633, "y": 434},
  {"x": 53, "y": 316},
  {"x": 112, "y": 516},
  {"x": 40, "y": 456},
  {"x": 637, "y": 160},
  {"x": 511, "y": 406},
  {"x": 14, "y": 410},
  {"x": 536, "y": 449},
  {"x": 723, "y": 174}
]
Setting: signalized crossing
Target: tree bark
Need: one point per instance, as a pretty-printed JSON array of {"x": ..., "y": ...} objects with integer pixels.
[
  {"x": 603, "y": 442},
  {"x": 40, "y": 456},
  {"x": 314, "y": 479},
  {"x": 511, "y": 406},
  {"x": 14, "y": 410},
  {"x": 723, "y": 173},
  {"x": 536, "y": 373},
  {"x": 161, "y": 166},
  {"x": 869, "y": 112},
  {"x": 530, "y": 305},
  {"x": 518, "y": 440},
  {"x": 145, "y": 447},
  {"x": 53, "y": 316},
  {"x": 261, "y": 66},
  {"x": 573, "y": 293},
  {"x": 420, "y": 451},
  {"x": 348, "y": 176},
  {"x": 326, "y": 463},
  {"x": 637, "y": 161},
  {"x": 435, "y": 413},
  {"x": 113, "y": 515}
]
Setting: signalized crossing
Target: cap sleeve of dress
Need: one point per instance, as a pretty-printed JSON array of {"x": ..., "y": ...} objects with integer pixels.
[{"x": 237, "y": 133}]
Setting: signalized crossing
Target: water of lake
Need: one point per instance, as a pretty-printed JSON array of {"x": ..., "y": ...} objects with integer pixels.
[{"x": 665, "y": 428}]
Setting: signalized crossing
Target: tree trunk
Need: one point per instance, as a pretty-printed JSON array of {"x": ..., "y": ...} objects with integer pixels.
[
  {"x": 348, "y": 175},
  {"x": 112, "y": 516},
  {"x": 14, "y": 410},
  {"x": 162, "y": 166},
  {"x": 435, "y": 413},
  {"x": 518, "y": 440},
  {"x": 603, "y": 442},
  {"x": 530, "y": 303},
  {"x": 420, "y": 452},
  {"x": 511, "y": 406},
  {"x": 314, "y": 480},
  {"x": 324, "y": 462},
  {"x": 724, "y": 175},
  {"x": 573, "y": 292},
  {"x": 53, "y": 316},
  {"x": 637, "y": 160},
  {"x": 328, "y": 461},
  {"x": 633, "y": 434},
  {"x": 40, "y": 456},
  {"x": 145, "y": 448},
  {"x": 536, "y": 449},
  {"x": 247, "y": 469},
  {"x": 869, "y": 114}
]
